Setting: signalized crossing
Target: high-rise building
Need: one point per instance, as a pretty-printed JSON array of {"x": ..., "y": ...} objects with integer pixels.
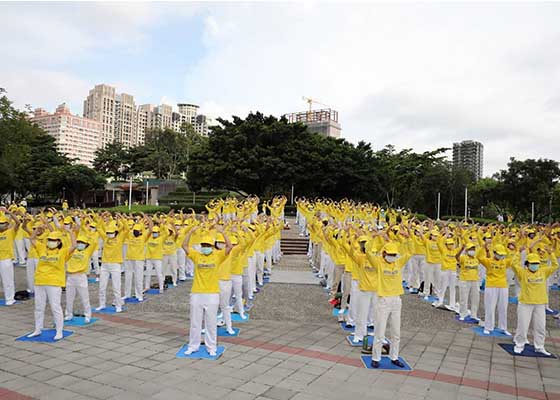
[
  {"x": 323, "y": 121},
  {"x": 100, "y": 106},
  {"x": 144, "y": 122},
  {"x": 126, "y": 126},
  {"x": 190, "y": 111},
  {"x": 162, "y": 117},
  {"x": 469, "y": 155},
  {"x": 77, "y": 137}
]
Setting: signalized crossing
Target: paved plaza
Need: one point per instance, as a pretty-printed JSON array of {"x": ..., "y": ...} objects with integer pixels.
[{"x": 292, "y": 348}]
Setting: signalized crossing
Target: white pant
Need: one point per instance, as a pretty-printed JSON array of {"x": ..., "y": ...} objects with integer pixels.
[
  {"x": 468, "y": 289},
  {"x": 237, "y": 284},
  {"x": 30, "y": 273},
  {"x": 447, "y": 278},
  {"x": 7, "y": 276},
  {"x": 204, "y": 306},
  {"x": 352, "y": 315},
  {"x": 524, "y": 314},
  {"x": 150, "y": 266},
  {"x": 225, "y": 295},
  {"x": 495, "y": 297},
  {"x": 259, "y": 257},
  {"x": 431, "y": 276},
  {"x": 52, "y": 294},
  {"x": 416, "y": 265},
  {"x": 77, "y": 283},
  {"x": 252, "y": 271},
  {"x": 134, "y": 271},
  {"x": 170, "y": 266},
  {"x": 21, "y": 251},
  {"x": 182, "y": 264},
  {"x": 95, "y": 261},
  {"x": 388, "y": 309},
  {"x": 366, "y": 311},
  {"x": 189, "y": 266},
  {"x": 268, "y": 260},
  {"x": 114, "y": 271}
]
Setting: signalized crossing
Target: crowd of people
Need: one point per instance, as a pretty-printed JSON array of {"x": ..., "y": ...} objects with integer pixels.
[
  {"x": 227, "y": 252},
  {"x": 370, "y": 255}
]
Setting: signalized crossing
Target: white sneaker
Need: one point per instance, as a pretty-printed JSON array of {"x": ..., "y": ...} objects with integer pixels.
[
  {"x": 542, "y": 351},
  {"x": 426, "y": 298},
  {"x": 486, "y": 332},
  {"x": 68, "y": 318},
  {"x": 212, "y": 354},
  {"x": 34, "y": 334},
  {"x": 461, "y": 318},
  {"x": 231, "y": 332},
  {"x": 140, "y": 299},
  {"x": 58, "y": 336},
  {"x": 87, "y": 320},
  {"x": 99, "y": 308},
  {"x": 96, "y": 279},
  {"x": 242, "y": 316},
  {"x": 507, "y": 333},
  {"x": 118, "y": 309},
  {"x": 356, "y": 340},
  {"x": 10, "y": 303},
  {"x": 341, "y": 312},
  {"x": 188, "y": 352},
  {"x": 518, "y": 349}
]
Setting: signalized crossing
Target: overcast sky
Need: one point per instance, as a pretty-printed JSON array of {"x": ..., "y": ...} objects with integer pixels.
[{"x": 413, "y": 75}]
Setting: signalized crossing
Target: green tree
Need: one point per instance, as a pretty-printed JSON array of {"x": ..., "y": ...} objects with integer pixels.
[
  {"x": 75, "y": 180},
  {"x": 112, "y": 161}
]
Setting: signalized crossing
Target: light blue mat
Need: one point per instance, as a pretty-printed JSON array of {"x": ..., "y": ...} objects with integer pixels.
[
  {"x": 479, "y": 330},
  {"x": 335, "y": 312},
  {"x": 133, "y": 300},
  {"x": 46, "y": 336},
  {"x": 385, "y": 363},
  {"x": 152, "y": 291},
  {"x": 513, "y": 300},
  {"x": 3, "y": 303},
  {"x": 202, "y": 353},
  {"x": 80, "y": 321},
  {"x": 235, "y": 317},
  {"x": 222, "y": 331}
]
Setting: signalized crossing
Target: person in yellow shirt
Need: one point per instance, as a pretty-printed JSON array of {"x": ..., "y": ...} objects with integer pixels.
[
  {"x": 205, "y": 292},
  {"x": 32, "y": 256},
  {"x": 114, "y": 235},
  {"x": 136, "y": 258},
  {"x": 154, "y": 258},
  {"x": 432, "y": 267},
  {"x": 496, "y": 291},
  {"x": 448, "y": 276},
  {"x": 225, "y": 281},
  {"x": 76, "y": 278},
  {"x": 169, "y": 262},
  {"x": 389, "y": 267},
  {"x": 49, "y": 280},
  {"x": 532, "y": 302},
  {"x": 19, "y": 241},
  {"x": 97, "y": 241},
  {"x": 7, "y": 237},
  {"x": 418, "y": 260},
  {"x": 238, "y": 266},
  {"x": 468, "y": 282}
]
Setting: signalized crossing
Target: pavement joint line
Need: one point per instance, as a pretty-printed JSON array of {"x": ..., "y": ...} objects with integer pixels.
[{"x": 416, "y": 373}]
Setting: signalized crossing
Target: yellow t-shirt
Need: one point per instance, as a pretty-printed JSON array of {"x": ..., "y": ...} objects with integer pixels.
[
  {"x": 367, "y": 272},
  {"x": 533, "y": 284},
  {"x": 113, "y": 248},
  {"x": 50, "y": 268},
  {"x": 206, "y": 271},
  {"x": 448, "y": 260},
  {"x": 79, "y": 261},
  {"x": 433, "y": 255},
  {"x": 136, "y": 247},
  {"x": 7, "y": 244},
  {"x": 468, "y": 268},
  {"x": 389, "y": 275},
  {"x": 495, "y": 271},
  {"x": 155, "y": 248}
]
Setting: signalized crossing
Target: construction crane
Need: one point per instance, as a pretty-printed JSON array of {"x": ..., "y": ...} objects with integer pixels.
[{"x": 310, "y": 101}]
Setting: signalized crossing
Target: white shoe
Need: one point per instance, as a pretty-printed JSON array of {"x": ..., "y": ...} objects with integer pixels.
[
  {"x": 140, "y": 299},
  {"x": 220, "y": 322},
  {"x": 242, "y": 316},
  {"x": 212, "y": 354},
  {"x": 341, "y": 312},
  {"x": 461, "y": 318},
  {"x": 118, "y": 309},
  {"x": 34, "y": 334},
  {"x": 426, "y": 298},
  {"x": 356, "y": 340},
  {"x": 542, "y": 351},
  {"x": 96, "y": 279},
  {"x": 518, "y": 349},
  {"x": 68, "y": 318},
  {"x": 58, "y": 336},
  {"x": 99, "y": 308},
  {"x": 188, "y": 352},
  {"x": 507, "y": 333},
  {"x": 231, "y": 332},
  {"x": 486, "y": 332},
  {"x": 87, "y": 320}
]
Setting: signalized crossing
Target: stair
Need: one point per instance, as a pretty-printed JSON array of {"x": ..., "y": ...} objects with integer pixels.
[{"x": 294, "y": 246}]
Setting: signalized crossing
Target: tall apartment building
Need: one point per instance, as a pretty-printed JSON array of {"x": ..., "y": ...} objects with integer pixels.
[
  {"x": 100, "y": 106},
  {"x": 126, "y": 120},
  {"x": 190, "y": 111},
  {"x": 469, "y": 155},
  {"x": 77, "y": 137},
  {"x": 144, "y": 121}
]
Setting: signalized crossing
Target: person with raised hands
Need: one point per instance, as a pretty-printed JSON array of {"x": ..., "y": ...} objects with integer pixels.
[
  {"x": 8, "y": 229},
  {"x": 468, "y": 281},
  {"x": 136, "y": 257},
  {"x": 205, "y": 292},
  {"x": 449, "y": 249},
  {"x": 76, "y": 277}
]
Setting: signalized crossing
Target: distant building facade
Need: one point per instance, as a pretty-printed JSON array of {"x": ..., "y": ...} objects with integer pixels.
[
  {"x": 77, "y": 137},
  {"x": 100, "y": 106},
  {"x": 323, "y": 121},
  {"x": 469, "y": 155}
]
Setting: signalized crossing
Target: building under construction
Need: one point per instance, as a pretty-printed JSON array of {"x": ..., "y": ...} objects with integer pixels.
[{"x": 323, "y": 121}]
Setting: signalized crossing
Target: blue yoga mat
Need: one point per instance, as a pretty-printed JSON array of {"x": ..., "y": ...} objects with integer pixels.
[
  {"x": 91, "y": 280},
  {"x": 235, "y": 317},
  {"x": 385, "y": 363},
  {"x": 430, "y": 299},
  {"x": 79, "y": 321},
  {"x": 3, "y": 303},
  {"x": 222, "y": 331},
  {"x": 133, "y": 300},
  {"x": 528, "y": 351},
  {"x": 352, "y": 328},
  {"x": 553, "y": 312},
  {"x": 479, "y": 330},
  {"x": 513, "y": 300},
  {"x": 467, "y": 320},
  {"x": 202, "y": 353},
  {"x": 152, "y": 291},
  {"x": 555, "y": 287},
  {"x": 46, "y": 336},
  {"x": 109, "y": 310},
  {"x": 335, "y": 312}
]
